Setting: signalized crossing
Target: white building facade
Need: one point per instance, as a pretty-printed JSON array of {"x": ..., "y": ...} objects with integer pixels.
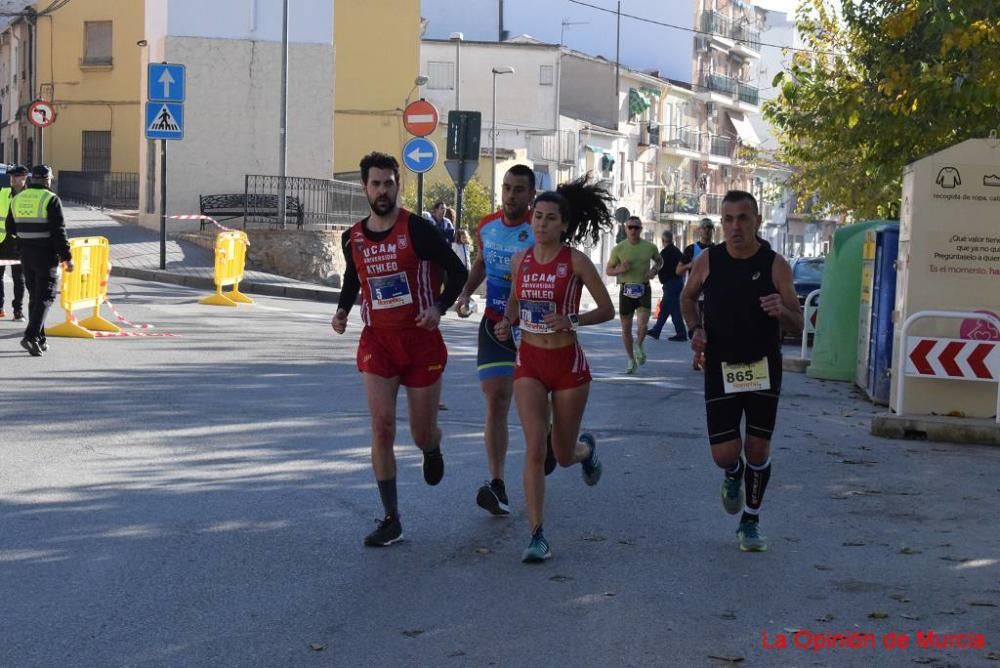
[{"x": 232, "y": 53}]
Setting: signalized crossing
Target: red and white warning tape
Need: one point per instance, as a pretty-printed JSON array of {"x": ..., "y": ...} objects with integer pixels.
[
  {"x": 122, "y": 319},
  {"x": 198, "y": 216},
  {"x": 112, "y": 335}
]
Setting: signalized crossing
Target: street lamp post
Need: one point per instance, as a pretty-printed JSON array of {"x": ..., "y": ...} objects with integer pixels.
[
  {"x": 457, "y": 37},
  {"x": 493, "y": 135}
]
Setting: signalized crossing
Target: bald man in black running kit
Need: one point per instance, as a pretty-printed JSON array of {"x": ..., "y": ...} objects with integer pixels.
[{"x": 749, "y": 299}]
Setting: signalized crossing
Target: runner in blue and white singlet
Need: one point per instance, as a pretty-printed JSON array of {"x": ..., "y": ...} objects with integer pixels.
[{"x": 500, "y": 236}]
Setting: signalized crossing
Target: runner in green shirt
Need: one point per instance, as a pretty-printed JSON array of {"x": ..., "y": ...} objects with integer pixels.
[{"x": 634, "y": 261}]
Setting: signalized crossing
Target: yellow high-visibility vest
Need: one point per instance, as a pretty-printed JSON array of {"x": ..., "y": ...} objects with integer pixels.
[
  {"x": 5, "y": 196},
  {"x": 31, "y": 213}
]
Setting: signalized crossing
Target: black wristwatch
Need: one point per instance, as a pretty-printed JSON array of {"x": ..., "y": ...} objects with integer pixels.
[{"x": 574, "y": 321}]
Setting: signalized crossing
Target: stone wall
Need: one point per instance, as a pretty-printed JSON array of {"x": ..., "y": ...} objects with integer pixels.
[{"x": 311, "y": 256}]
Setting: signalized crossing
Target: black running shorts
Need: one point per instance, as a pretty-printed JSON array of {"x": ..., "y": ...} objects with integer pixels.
[
  {"x": 723, "y": 412},
  {"x": 627, "y": 306}
]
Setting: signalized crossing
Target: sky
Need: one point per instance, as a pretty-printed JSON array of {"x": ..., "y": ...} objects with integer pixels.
[{"x": 644, "y": 46}]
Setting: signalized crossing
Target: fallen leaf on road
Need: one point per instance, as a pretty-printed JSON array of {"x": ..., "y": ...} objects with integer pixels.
[
  {"x": 727, "y": 614},
  {"x": 825, "y": 618},
  {"x": 865, "y": 462},
  {"x": 792, "y": 539},
  {"x": 910, "y": 550},
  {"x": 594, "y": 538},
  {"x": 610, "y": 594},
  {"x": 457, "y": 653},
  {"x": 958, "y": 559},
  {"x": 729, "y": 659},
  {"x": 789, "y": 629},
  {"x": 956, "y": 611},
  {"x": 910, "y": 617},
  {"x": 925, "y": 659},
  {"x": 955, "y": 414},
  {"x": 852, "y": 543},
  {"x": 413, "y": 633},
  {"x": 878, "y": 615},
  {"x": 560, "y": 578},
  {"x": 821, "y": 567},
  {"x": 626, "y": 541},
  {"x": 482, "y": 550},
  {"x": 983, "y": 604},
  {"x": 993, "y": 656},
  {"x": 316, "y": 647}
]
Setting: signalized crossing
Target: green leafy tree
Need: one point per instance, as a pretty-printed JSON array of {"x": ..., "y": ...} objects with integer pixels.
[
  {"x": 888, "y": 82},
  {"x": 475, "y": 202}
]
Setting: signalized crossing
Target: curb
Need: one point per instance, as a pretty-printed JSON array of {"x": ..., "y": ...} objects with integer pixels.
[
  {"x": 936, "y": 428},
  {"x": 316, "y": 294},
  {"x": 795, "y": 364}
]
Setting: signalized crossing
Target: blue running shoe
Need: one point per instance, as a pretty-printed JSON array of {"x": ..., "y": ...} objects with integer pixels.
[
  {"x": 591, "y": 466},
  {"x": 538, "y": 549},
  {"x": 733, "y": 496},
  {"x": 750, "y": 538}
]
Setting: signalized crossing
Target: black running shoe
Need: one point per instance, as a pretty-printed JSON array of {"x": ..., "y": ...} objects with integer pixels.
[
  {"x": 32, "y": 347},
  {"x": 43, "y": 344},
  {"x": 387, "y": 532},
  {"x": 433, "y": 467},
  {"x": 492, "y": 497}
]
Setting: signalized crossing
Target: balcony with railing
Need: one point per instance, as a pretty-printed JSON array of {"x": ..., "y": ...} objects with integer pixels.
[
  {"x": 722, "y": 147},
  {"x": 680, "y": 202},
  {"x": 749, "y": 94},
  {"x": 742, "y": 32},
  {"x": 720, "y": 83},
  {"x": 684, "y": 138}
]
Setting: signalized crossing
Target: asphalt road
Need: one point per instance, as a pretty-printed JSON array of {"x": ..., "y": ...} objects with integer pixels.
[{"x": 200, "y": 500}]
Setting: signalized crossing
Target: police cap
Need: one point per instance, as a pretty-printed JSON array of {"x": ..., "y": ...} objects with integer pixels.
[
  {"x": 41, "y": 172},
  {"x": 18, "y": 170}
]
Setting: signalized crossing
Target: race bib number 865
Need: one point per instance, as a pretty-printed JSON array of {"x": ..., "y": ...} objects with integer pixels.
[{"x": 750, "y": 377}]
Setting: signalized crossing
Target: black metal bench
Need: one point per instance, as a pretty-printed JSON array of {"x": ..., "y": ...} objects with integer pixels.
[{"x": 227, "y": 207}]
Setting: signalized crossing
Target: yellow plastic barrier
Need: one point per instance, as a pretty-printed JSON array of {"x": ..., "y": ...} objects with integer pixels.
[
  {"x": 230, "y": 259},
  {"x": 85, "y": 287}
]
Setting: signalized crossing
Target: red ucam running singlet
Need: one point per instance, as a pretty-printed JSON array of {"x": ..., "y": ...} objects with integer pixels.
[
  {"x": 546, "y": 288},
  {"x": 396, "y": 284}
]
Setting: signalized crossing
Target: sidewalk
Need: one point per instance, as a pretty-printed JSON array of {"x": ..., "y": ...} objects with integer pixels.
[{"x": 135, "y": 252}]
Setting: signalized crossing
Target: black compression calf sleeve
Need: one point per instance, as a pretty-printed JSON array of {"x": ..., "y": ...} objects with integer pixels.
[
  {"x": 756, "y": 478},
  {"x": 387, "y": 490}
]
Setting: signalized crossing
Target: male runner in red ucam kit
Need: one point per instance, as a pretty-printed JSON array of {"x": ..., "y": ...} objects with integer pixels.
[{"x": 395, "y": 258}]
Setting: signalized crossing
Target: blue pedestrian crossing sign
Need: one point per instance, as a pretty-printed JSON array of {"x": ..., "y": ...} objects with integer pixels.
[
  {"x": 420, "y": 155},
  {"x": 164, "y": 120},
  {"x": 165, "y": 82}
]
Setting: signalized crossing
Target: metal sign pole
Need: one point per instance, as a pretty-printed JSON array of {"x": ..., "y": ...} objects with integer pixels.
[
  {"x": 459, "y": 196},
  {"x": 420, "y": 194},
  {"x": 163, "y": 204}
]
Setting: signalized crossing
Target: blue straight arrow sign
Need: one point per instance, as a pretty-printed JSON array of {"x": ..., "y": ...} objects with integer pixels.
[
  {"x": 165, "y": 82},
  {"x": 420, "y": 155}
]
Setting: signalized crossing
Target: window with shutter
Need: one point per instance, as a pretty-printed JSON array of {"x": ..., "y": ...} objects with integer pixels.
[{"x": 97, "y": 43}]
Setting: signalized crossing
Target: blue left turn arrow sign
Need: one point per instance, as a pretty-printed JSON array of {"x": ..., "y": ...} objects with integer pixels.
[{"x": 420, "y": 155}]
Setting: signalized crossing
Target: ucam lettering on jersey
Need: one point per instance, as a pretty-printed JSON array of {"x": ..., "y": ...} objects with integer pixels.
[
  {"x": 382, "y": 249},
  {"x": 539, "y": 277}
]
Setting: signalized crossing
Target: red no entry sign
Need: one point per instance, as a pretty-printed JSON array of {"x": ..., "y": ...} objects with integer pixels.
[{"x": 420, "y": 118}]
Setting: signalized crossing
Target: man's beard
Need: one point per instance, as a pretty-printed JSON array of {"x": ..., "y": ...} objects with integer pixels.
[
  {"x": 381, "y": 205},
  {"x": 512, "y": 214}
]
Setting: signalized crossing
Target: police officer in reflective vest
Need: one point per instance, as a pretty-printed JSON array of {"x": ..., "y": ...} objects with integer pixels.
[
  {"x": 8, "y": 244},
  {"x": 36, "y": 219}
]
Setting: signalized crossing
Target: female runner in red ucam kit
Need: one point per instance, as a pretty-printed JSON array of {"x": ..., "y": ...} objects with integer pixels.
[{"x": 545, "y": 301}]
